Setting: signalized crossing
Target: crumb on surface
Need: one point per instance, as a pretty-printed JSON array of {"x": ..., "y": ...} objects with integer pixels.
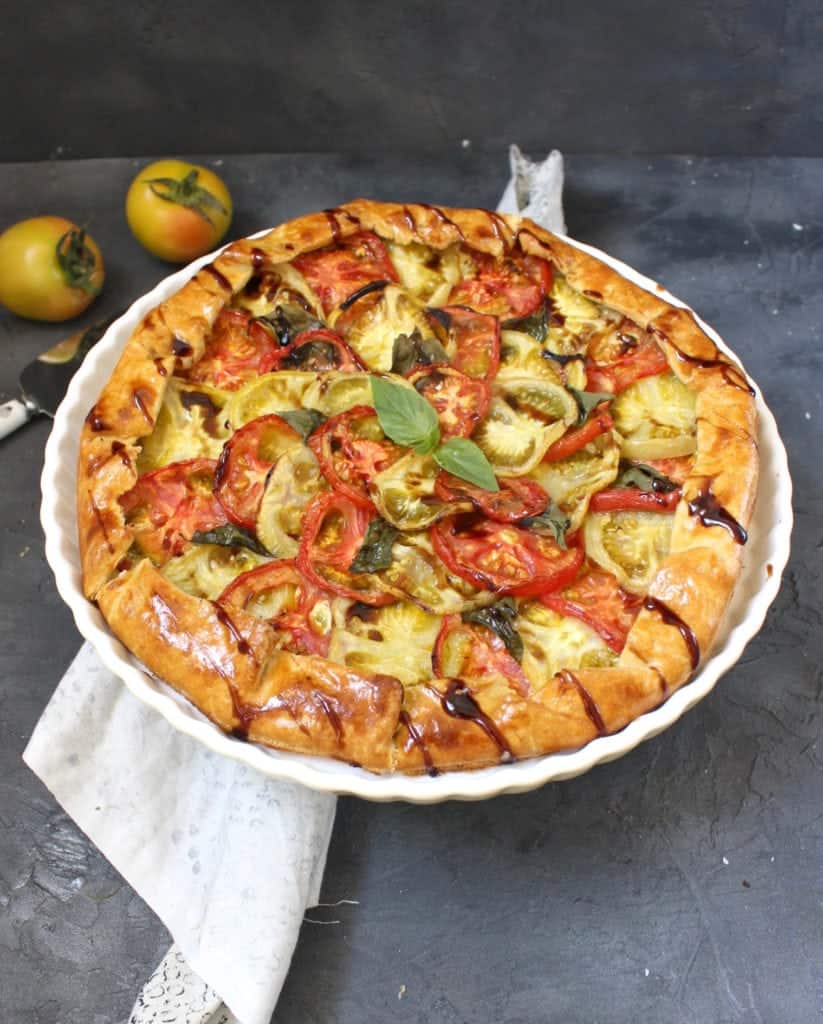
[{"x": 401, "y": 992}]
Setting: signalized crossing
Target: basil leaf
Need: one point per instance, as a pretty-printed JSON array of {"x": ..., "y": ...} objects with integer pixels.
[
  {"x": 588, "y": 400},
  {"x": 647, "y": 478},
  {"x": 230, "y": 536},
  {"x": 499, "y": 618},
  {"x": 536, "y": 324},
  {"x": 414, "y": 350},
  {"x": 405, "y": 416},
  {"x": 304, "y": 421},
  {"x": 463, "y": 458},
  {"x": 312, "y": 355},
  {"x": 551, "y": 522},
  {"x": 376, "y": 550}
]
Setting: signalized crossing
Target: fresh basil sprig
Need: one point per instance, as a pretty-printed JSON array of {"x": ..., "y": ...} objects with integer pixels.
[
  {"x": 230, "y": 536},
  {"x": 499, "y": 618},
  {"x": 551, "y": 522},
  {"x": 647, "y": 478},
  {"x": 588, "y": 400},
  {"x": 408, "y": 419},
  {"x": 376, "y": 550}
]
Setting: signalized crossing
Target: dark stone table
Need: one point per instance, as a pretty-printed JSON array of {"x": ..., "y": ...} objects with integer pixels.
[{"x": 681, "y": 883}]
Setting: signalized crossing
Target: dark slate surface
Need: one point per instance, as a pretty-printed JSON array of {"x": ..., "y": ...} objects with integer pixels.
[
  {"x": 682, "y": 883},
  {"x": 612, "y": 76}
]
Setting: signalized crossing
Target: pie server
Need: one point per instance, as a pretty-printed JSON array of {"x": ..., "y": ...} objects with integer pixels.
[{"x": 44, "y": 381}]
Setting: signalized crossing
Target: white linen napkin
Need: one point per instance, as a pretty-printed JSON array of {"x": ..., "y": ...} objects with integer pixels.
[{"x": 228, "y": 859}]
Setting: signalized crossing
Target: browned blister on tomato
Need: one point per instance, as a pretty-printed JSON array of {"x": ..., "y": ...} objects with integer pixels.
[
  {"x": 237, "y": 350},
  {"x": 244, "y": 463},
  {"x": 471, "y": 339},
  {"x": 297, "y": 608},
  {"x": 460, "y": 401},
  {"x": 508, "y": 288},
  {"x": 166, "y": 507},
  {"x": 338, "y": 273},
  {"x": 597, "y": 599},
  {"x": 503, "y": 558},
  {"x": 623, "y": 356}
]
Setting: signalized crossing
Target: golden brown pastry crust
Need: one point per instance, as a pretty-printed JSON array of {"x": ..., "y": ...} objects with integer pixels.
[{"x": 231, "y": 670}]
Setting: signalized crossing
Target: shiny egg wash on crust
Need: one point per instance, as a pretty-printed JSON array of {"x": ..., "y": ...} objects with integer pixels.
[{"x": 253, "y": 534}]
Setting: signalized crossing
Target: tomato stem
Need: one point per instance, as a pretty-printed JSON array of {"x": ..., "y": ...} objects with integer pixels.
[
  {"x": 77, "y": 261},
  {"x": 186, "y": 192}
]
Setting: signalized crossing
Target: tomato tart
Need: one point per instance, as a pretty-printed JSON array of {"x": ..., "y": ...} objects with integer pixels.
[{"x": 417, "y": 488}]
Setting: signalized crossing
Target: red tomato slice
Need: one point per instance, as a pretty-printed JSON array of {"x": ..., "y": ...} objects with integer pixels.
[
  {"x": 642, "y": 358},
  {"x": 166, "y": 507},
  {"x": 244, "y": 463},
  {"x": 474, "y": 653},
  {"x": 517, "y": 498},
  {"x": 460, "y": 402},
  {"x": 509, "y": 288},
  {"x": 336, "y": 273},
  {"x": 599, "y": 422},
  {"x": 471, "y": 340},
  {"x": 318, "y": 350},
  {"x": 333, "y": 532},
  {"x": 352, "y": 449},
  {"x": 598, "y": 600},
  {"x": 632, "y": 499},
  {"x": 237, "y": 350},
  {"x": 293, "y": 619},
  {"x": 502, "y": 558}
]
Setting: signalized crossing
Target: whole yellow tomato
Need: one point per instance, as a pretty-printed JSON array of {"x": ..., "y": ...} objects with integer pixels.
[
  {"x": 50, "y": 269},
  {"x": 178, "y": 211}
]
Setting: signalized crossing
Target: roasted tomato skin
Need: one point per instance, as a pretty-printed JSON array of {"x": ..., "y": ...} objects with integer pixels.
[
  {"x": 517, "y": 498},
  {"x": 336, "y": 273},
  {"x": 597, "y": 599},
  {"x": 178, "y": 230},
  {"x": 509, "y": 288},
  {"x": 483, "y": 654},
  {"x": 471, "y": 339},
  {"x": 349, "y": 462},
  {"x": 338, "y": 555},
  {"x": 178, "y": 501},
  {"x": 632, "y": 499},
  {"x": 237, "y": 351},
  {"x": 461, "y": 402},
  {"x": 240, "y": 476},
  {"x": 643, "y": 359},
  {"x": 599, "y": 422},
  {"x": 503, "y": 558},
  {"x": 318, "y": 350},
  {"x": 243, "y": 590}
]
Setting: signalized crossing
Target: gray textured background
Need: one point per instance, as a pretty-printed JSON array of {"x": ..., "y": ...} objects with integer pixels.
[
  {"x": 682, "y": 883},
  {"x": 96, "y": 78}
]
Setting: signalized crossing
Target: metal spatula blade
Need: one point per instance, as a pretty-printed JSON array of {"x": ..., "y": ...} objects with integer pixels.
[{"x": 44, "y": 381}]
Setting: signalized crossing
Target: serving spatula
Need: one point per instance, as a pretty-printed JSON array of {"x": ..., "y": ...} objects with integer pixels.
[{"x": 44, "y": 381}]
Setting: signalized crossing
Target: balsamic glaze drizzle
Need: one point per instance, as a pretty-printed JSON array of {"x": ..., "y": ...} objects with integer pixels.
[
  {"x": 458, "y": 702},
  {"x": 221, "y": 279},
  {"x": 711, "y": 513},
  {"x": 419, "y": 742},
  {"x": 589, "y": 703},
  {"x": 372, "y": 286},
  {"x": 654, "y": 604}
]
